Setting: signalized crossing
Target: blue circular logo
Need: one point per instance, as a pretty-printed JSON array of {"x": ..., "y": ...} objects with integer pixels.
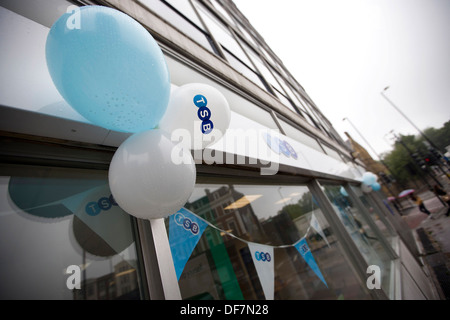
[
  {"x": 291, "y": 150},
  {"x": 280, "y": 146},
  {"x": 186, "y": 223},
  {"x": 200, "y": 101},
  {"x": 104, "y": 203},
  {"x": 263, "y": 256},
  {"x": 207, "y": 126},
  {"x": 284, "y": 150},
  {"x": 204, "y": 113},
  {"x": 92, "y": 208}
]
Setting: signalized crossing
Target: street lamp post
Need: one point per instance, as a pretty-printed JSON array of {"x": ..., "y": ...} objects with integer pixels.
[
  {"x": 430, "y": 143},
  {"x": 381, "y": 160},
  {"x": 404, "y": 116},
  {"x": 362, "y": 137}
]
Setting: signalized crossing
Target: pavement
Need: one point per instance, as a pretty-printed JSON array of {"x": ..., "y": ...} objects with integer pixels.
[{"x": 433, "y": 238}]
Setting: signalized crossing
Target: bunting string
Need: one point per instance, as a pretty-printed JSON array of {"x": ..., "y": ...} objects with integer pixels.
[
  {"x": 246, "y": 241},
  {"x": 186, "y": 229}
]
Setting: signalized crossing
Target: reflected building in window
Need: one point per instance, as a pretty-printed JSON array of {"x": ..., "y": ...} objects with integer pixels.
[{"x": 122, "y": 284}]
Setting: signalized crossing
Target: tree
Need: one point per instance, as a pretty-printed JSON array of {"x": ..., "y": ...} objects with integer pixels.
[
  {"x": 404, "y": 160},
  {"x": 303, "y": 206}
]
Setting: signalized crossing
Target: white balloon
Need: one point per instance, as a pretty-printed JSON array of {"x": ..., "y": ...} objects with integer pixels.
[
  {"x": 201, "y": 111},
  {"x": 150, "y": 177},
  {"x": 366, "y": 188}
]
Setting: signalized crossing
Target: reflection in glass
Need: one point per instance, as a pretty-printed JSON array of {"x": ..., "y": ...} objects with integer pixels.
[
  {"x": 385, "y": 227},
  {"x": 52, "y": 220},
  {"x": 221, "y": 266},
  {"x": 362, "y": 234}
]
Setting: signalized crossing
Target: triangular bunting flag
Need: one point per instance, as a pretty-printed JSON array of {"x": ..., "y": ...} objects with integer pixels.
[
  {"x": 99, "y": 212},
  {"x": 264, "y": 263},
  {"x": 303, "y": 248},
  {"x": 185, "y": 230},
  {"x": 316, "y": 226}
]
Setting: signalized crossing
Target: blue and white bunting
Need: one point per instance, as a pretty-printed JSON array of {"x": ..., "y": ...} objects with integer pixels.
[
  {"x": 305, "y": 252},
  {"x": 185, "y": 230},
  {"x": 264, "y": 263}
]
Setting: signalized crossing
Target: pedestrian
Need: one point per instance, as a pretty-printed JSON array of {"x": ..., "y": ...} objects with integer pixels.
[
  {"x": 420, "y": 204},
  {"x": 442, "y": 194}
]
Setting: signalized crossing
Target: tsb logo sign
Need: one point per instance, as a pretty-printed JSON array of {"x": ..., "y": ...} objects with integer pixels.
[
  {"x": 280, "y": 146},
  {"x": 93, "y": 208},
  {"x": 186, "y": 223},
  {"x": 203, "y": 113},
  {"x": 263, "y": 256}
]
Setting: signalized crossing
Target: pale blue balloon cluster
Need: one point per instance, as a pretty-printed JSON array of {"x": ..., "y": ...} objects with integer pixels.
[
  {"x": 370, "y": 179},
  {"x": 109, "y": 69}
]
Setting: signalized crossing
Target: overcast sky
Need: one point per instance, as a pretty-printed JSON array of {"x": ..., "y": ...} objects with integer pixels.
[{"x": 345, "y": 52}]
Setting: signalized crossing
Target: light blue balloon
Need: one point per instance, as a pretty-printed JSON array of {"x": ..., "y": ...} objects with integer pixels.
[
  {"x": 108, "y": 68},
  {"x": 376, "y": 186},
  {"x": 343, "y": 192},
  {"x": 368, "y": 178}
]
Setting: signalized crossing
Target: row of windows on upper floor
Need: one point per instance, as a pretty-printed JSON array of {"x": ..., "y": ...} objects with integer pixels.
[
  {"x": 218, "y": 32},
  {"x": 48, "y": 16}
]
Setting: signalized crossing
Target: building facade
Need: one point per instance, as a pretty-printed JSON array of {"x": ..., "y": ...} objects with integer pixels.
[{"x": 57, "y": 210}]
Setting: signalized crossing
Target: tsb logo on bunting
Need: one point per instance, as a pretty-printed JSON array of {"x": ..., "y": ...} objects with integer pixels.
[
  {"x": 263, "y": 256},
  {"x": 186, "y": 223}
]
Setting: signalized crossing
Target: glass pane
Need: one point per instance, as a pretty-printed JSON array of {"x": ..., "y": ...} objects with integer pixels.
[
  {"x": 186, "y": 9},
  {"x": 377, "y": 216},
  {"x": 62, "y": 236},
  {"x": 247, "y": 35},
  {"x": 222, "y": 34},
  {"x": 238, "y": 217},
  {"x": 181, "y": 22},
  {"x": 285, "y": 100},
  {"x": 262, "y": 68},
  {"x": 362, "y": 234},
  {"x": 222, "y": 11},
  {"x": 242, "y": 68}
]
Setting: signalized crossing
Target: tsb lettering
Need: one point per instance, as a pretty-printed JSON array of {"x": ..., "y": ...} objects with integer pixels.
[
  {"x": 263, "y": 256},
  {"x": 105, "y": 203},
  {"x": 203, "y": 113},
  {"x": 186, "y": 223}
]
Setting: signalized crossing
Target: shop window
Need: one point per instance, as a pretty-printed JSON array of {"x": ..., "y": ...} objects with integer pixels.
[
  {"x": 223, "y": 265},
  {"x": 363, "y": 235},
  {"x": 377, "y": 216},
  {"x": 60, "y": 227}
]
